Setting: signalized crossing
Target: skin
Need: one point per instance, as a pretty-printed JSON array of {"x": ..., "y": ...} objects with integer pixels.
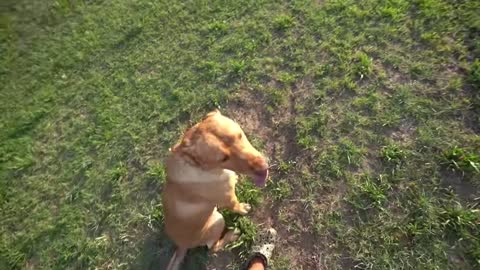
[
  {"x": 201, "y": 177},
  {"x": 256, "y": 264}
]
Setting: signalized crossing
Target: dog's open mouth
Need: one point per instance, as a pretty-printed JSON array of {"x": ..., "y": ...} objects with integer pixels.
[{"x": 260, "y": 178}]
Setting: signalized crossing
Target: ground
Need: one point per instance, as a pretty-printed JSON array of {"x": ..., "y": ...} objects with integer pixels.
[{"x": 369, "y": 112}]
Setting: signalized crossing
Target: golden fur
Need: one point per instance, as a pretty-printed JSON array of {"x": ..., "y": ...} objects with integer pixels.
[{"x": 201, "y": 177}]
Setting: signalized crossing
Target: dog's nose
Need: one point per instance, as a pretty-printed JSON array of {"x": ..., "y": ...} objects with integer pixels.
[{"x": 260, "y": 164}]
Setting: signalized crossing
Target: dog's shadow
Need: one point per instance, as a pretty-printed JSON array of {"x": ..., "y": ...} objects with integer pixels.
[{"x": 157, "y": 251}]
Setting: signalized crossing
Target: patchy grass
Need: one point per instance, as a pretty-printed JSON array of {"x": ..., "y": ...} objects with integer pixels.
[
  {"x": 368, "y": 110},
  {"x": 462, "y": 160}
]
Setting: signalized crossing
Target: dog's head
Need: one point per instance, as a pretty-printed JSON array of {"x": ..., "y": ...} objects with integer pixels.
[{"x": 217, "y": 142}]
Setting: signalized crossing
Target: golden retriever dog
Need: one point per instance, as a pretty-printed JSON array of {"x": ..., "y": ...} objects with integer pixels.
[{"x": 201, "y": 176}]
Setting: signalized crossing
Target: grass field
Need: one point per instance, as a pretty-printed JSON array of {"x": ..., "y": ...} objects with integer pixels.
[{"x": 369, "y": 112}]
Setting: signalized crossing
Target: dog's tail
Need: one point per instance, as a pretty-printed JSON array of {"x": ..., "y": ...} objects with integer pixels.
[{"x": 177, "y": 259}]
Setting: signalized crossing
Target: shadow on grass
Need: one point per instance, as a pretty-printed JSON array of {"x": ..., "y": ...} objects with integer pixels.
[{"x": 158, "y": 249}]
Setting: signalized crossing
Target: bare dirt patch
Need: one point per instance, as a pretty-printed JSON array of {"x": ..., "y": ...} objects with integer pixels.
[
  {"x": 403, "y": 134},
  {"x": 297, "y": 242},
  {"x": 461, "y": 186}
]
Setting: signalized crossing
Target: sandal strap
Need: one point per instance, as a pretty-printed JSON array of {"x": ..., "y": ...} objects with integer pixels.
[{"x": 255, "y": 256}]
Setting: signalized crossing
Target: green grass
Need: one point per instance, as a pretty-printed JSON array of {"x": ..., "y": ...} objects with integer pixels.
[
  {"x": 460, "y": 159},
  {"x": 368, "y": 110}
]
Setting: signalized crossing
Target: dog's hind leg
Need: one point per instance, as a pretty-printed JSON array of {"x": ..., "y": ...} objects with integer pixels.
[
  {"x": 228, "y": 237},
  {"x": 215, "y": 241},
  {"x": 177, "y": 259}
]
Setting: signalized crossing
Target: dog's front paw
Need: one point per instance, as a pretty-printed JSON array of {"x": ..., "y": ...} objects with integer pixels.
[{"x": 244, "y": 208}]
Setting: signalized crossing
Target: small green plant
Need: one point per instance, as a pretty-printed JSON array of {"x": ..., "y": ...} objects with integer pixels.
[
  {"x": 430, "y": 37},
  {"x": 65, "y": 6},
  {"x": 393, "y": 153},
  {"x": 349, "y": 152},
  {"x": 461, "y": 223},
  {"x": 283, "y": 22},
  {"x": 311, "y": 129},
  {"x": 286, "y": 166},
  {"x": 238, "y": 67},
  {"x": 457, "y": 218},
  {"x": 461, "y": 159},
  {"x": 218, "y": 27},
  {"x": 276, "y": 97},
  {"x": 362, "y": 64},
  {"x": 369, "y": 192},
  {"x": 210, "y": 69},
  {"x": 420, "y": 71},
  {"x": 328, "y": 163},
  {"x": 367, "y": 103},
  {"x": 286, "y": 77},
  {"x": 281, "y": 189},
  {"x": 475, "y": 73},
  {"x": 157, "y": 170},
  {"x": 392, "y": 13},
  {"x": 117, "y": 173},
  {"x": 455, "y": 84}
]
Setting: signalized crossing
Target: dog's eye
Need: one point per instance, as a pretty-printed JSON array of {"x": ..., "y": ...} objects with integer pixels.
[
  {"x": 225, "y": 158},
  {"x": 240, "y": 136}
]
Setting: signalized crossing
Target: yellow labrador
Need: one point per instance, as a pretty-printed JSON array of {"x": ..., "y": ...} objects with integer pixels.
[{"x": 201, "y": 177}]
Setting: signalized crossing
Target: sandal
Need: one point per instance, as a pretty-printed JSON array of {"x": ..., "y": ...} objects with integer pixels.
[{"x": 263, "y": 247}]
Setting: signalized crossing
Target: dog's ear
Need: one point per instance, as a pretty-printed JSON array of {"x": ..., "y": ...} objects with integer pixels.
[
  {"x": 202, "y": 149},
  {"x": 185, "y": 140},
  {"x": 212, "y": 113},
  {"x": 188, "y": 136}
]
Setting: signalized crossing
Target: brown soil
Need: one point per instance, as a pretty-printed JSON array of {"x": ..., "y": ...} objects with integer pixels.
[{"x": 300, "y": 246}]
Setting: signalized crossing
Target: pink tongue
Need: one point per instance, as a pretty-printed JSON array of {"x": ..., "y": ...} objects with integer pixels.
[{"x": 261, "y": 179}]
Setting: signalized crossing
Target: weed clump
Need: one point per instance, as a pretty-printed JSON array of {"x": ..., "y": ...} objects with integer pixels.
[
  {"x": 283, "y": 22},
  {"x": 462, "y": 160}
]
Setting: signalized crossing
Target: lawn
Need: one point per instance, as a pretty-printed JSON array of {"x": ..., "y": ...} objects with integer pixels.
[{"x": 369, "y": 112}]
